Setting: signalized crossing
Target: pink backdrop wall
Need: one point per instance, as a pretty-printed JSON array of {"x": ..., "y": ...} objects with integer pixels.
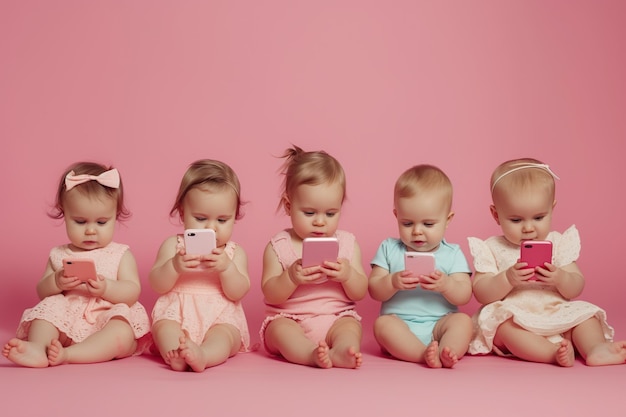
[{"x": 151, "y": 86}]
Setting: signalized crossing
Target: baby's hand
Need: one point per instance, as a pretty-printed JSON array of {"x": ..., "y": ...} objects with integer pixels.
[
  {"x": 549, "y": 274},
  {"x": 185, "y": 263},
  {"x": 97, "y": 287},
  {"x": 217, "y": 261},
  {"x": 404, "y": 280},
  {"x": 299, "y": 275},
  {"x": 435, "y": 281},
  {"x": 65, "y": 283},
  {"x": 337, "y": 271},
  {"x": 519, "y": 274}
]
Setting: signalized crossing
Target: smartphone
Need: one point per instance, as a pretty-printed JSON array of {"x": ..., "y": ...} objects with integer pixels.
[
  {"x": 420, "y": 263},
  {"x": 536, "y": 252},
  {"x": 199, "y": 241},
  {"x": 83, "y": 269},
  {"x": 316, "y": 250}
]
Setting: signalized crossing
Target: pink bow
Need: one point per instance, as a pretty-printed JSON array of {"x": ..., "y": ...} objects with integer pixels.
[{"x": 110, "y": 178}]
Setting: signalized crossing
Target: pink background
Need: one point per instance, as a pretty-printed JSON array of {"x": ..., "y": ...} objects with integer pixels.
[{"x": 150, "y": 86}]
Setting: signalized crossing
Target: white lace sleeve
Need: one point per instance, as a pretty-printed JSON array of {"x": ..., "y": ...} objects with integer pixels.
[
  {"x": 484, "y": 261},
  {"x": 567, "y": 247}
]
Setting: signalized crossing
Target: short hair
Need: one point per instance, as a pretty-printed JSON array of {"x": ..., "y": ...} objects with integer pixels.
[
  {"x": 210, "y": 173},
  {"x": 90, "y": 189},
  {"x": 421, "y": 178}
]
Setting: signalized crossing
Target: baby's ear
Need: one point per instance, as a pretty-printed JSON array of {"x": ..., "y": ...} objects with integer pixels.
[
  {"x": 286, "y": 203},
  {"x": 494, "y": 213},
  {"x": 449, "y": 219}
]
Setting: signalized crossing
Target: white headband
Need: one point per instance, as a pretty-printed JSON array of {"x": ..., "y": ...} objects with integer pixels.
[{"x": 526, "y": 165}]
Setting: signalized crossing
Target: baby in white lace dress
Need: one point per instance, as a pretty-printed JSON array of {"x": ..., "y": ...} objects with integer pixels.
[{"x": 529, "y": 313}]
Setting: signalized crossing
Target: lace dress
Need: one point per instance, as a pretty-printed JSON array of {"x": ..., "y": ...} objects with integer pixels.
[
  {"x": 537, "y": 308},
  {"x": 77, "y": 315}
]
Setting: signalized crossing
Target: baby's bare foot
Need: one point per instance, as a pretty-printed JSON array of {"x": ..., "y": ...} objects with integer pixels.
[
  {"x": 608, "y": 353},
  {"x": 192, "y": 354},
  {"x": 57, "y": 354},
  {"x": 348, "y": 358},
  {"x": 174, "y": 359},
  {"x": 321, "y": 356},
  {"x": 25, "y": 353},
  {"x": 431, "y": 355},
  {"x": 448, "y": 358},
  {"x": 565, "y": 354}
]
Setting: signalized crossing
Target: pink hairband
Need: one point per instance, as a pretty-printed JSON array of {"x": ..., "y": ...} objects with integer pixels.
[
  {"x": 110, "y": 178},
  {"x": 526, "y": 165}
]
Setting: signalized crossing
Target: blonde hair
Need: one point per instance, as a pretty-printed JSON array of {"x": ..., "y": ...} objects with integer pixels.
[
  {"x": 90, "y": 189},
  {"x": 421, "y": 178},
  {"x": 210, "y": 173},
  {"x": 309, "y": 168},
  {"x": 520, "y": 174}
]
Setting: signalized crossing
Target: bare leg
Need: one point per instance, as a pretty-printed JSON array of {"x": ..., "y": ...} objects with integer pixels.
[
  {"x": 32, "y": 352},
  {"x": 166, "y": 335},
  {"x": 115, "y": 340},
  {"x": 344, "y": 339},
  {"x": 286, "y": 337},
  {"x": 594, "y": 348},
  {"x": 395, "y": 337},
  {"x": 453, "y": 332},
  {"x": 531, "y": 347},
  {"x": 220, "y": 343}
]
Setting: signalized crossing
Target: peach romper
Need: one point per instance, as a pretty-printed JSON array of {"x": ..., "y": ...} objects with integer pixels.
[{"x": 315, "y": 306}]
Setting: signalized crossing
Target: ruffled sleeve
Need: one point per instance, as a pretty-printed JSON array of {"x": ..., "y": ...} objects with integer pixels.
[
  {"x": 566, "y": 247},
  {"x": 484, "y": 260}
]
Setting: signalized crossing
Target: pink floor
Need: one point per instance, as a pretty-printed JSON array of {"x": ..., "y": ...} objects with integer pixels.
[{"x": 254, "y": 384}]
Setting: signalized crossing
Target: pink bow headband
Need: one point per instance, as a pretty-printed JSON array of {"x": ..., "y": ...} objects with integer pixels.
[{"x": 110, "y": 178}]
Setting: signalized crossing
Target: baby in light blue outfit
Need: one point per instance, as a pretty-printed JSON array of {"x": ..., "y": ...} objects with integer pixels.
[{"x": 419, "y": 319}]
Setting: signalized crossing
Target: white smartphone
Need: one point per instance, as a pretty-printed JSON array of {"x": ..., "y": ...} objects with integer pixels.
[
  {"x": 83, "y": 269},
  {"x": 419, "y": 263},
  {"x": 536, "y": 252},
  {"x": 199, "y": 241},
  {"x": 316, "y": 250}
]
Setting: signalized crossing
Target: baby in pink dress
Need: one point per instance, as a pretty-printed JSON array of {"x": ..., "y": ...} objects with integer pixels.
[
  {"x": 80, "y": 321},
  {"x": 198, "y": 321}
]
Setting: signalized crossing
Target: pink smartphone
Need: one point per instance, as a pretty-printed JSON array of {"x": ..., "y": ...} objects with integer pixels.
[
  {"x": 419, "y": 263},
  {"x": 536, "y": 252},
  {"x": 316, "y": 250},
  {"x": 83, "y": 269},
  {"x": 199, "y": 241}
]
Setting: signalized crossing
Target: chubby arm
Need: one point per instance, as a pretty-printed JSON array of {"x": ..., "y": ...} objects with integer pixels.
[
  {"x": 53, "y": 283},
  {"x": 456, "y": 288},
  {"x": 568, "y": 280},
  {"x": 127, "y": 287},
  {"x": 276, "y": 284},
  {"x": 234, "y": 279},
  {"x": 351, "y": 275},
  {"x": 489, "y": 287},
  {"x": 380, "y": 284},
  {"x": 163, "y": 275}
]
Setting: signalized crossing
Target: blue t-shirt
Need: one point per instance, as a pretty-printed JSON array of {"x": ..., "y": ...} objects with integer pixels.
[{"x": 449, "y": 258}]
